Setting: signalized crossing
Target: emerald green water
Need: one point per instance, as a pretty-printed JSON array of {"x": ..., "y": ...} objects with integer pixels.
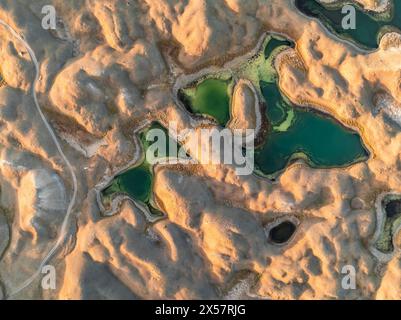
[
  {"x": 136, "y": 182},
  {"x": 275, "y": 43},
  {"x": 368, "y": 25},
  {"x": 324, "y": 142},
  {"x": 211, "y": 97},
  {"x": 295, "y": 132}
]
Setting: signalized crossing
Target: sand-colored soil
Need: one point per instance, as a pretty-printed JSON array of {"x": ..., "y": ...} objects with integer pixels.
[{"x": 109, "y": 70}]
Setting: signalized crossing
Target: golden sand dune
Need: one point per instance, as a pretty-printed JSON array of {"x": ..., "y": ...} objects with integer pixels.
[{"x": 113, "y": 67}]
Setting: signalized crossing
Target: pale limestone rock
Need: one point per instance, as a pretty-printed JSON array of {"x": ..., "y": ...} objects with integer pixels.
[{"x": 42, "y": 203}]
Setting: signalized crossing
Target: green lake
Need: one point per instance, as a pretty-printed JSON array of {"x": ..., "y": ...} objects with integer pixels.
[
  {"x": 294, "y": 132},
  {"x": 211, "y": 97},
  {"x": 136, "y": 182},
  {"x": 324, "y": 141},
  {"x": 369, "y": 25}
]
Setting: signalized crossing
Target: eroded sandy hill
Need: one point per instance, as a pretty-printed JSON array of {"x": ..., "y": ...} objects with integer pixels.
[{"x": 108, "y": 70}]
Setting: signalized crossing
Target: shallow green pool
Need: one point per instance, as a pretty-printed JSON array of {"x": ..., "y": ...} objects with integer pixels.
[
  {"x": 324, "y": 141},
  {"x": 210, "y": 97},
  {"x": 368, "y": 25},
  {"x": 275, "y": 43},
  {"x": 297, "y": 132},
  {"x": 137, "y": 181},
  {"x": 294, "y": 132}
]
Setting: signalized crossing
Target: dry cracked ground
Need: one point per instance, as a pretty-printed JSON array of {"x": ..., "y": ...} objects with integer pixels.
[{"x": 109, "y": 68}]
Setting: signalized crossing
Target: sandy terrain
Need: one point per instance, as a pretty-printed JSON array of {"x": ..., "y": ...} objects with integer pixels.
[
  {"x": 109, "y": 69},
  {"x": 372, "y": 5}
]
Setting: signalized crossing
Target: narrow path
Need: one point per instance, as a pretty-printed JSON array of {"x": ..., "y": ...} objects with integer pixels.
[{"x": 64, "y": 226}]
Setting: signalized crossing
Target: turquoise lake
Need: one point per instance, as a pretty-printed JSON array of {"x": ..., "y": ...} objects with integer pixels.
[
  {"x": 294, "y": 132},
  {"x": 368, "y": 24}
]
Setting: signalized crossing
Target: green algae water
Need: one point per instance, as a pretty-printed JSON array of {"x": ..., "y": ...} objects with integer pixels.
[
  {"x": 211, "y": 97},
  {"x": 323, "y": 142},
  {"x": 294, "y": 132},
  {"x": 137, "y": 182},
  {"x": 275, "y": 43},
  {"x": 369, "y": 26},
  {"x": 297, "y": 132}
]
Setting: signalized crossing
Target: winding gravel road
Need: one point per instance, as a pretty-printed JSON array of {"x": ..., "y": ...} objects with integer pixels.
[{"x": 64, "y": 226}]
